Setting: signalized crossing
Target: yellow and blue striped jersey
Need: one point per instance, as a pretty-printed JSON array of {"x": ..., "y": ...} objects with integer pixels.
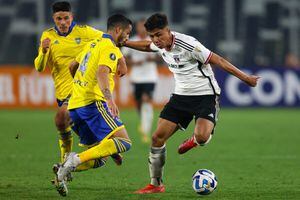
[
  {"x": 63, "y": 50},
  {"x": 86, "y": 90}
]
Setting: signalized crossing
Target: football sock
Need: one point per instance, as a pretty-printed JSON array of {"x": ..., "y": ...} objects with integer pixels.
[
  {"x": 203, "y": 143},
  {"x": 65, "y": 143},
  {"x": 105, "y": 148},
  {"x": 156, "y": 161},
  {"x": 91, "y": 164},
  {"x": 146, "y": 117}
]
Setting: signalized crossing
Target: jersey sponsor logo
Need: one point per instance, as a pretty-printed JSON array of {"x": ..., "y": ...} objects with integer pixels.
[
  {"x": 175, "y": 66},
  {"x": 80, "y": 83},
  {"x": 112, "y": 56},
  {"x": 77, "y": 40}
]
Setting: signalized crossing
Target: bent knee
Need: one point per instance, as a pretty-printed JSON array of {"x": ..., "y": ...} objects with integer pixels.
[{"x": 158, "y": 140}]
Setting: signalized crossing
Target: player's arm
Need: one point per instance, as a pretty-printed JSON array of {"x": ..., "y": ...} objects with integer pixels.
[
  {"x": 139, "y": 45},
  {"x": 41, "y": 60},
  {"x": 73, "y": 67},
  {"x": 215, "y": 59},
  {"x": 122, "y": 67},
  {"x": 103, "y": 82}
]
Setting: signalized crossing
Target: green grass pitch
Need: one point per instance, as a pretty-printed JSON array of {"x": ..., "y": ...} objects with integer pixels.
[{"x": 255, "y": 154}]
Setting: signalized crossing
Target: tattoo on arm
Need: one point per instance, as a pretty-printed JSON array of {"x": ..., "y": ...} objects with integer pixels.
[{"x": 107, "y": 94}]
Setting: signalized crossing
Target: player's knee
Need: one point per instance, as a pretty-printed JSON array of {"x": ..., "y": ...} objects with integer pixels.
[
  {"x": 62, "y": 121},
  {"x": 146, "y": 98},
  {"x": 66, "y": 134},
  {"x": 158, "y": 140}
]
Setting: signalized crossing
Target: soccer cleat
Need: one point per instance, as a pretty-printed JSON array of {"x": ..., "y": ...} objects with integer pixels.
[
  {"x": 55, "y": 168},
  {"x": 151, "y": 189},
  {"x": 67, "y": 167},
  {"x": 61, "y": 188},
  {"x": 187, "y": 145},
  {"x": 60, "y": 185},
  {"x": 117, "y": 158}
]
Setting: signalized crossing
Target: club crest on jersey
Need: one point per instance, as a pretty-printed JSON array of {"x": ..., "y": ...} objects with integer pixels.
[
  {"x": 198, "y": 49},
  {"x": 176, "y": 58},
  {"x": 112, "y": 56},
  {"x": 78, "y": 40}
]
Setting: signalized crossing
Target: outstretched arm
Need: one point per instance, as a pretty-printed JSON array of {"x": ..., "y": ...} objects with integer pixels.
[
  {"x": 139, "y": 45},
  {"x": 251, "y": 80}
]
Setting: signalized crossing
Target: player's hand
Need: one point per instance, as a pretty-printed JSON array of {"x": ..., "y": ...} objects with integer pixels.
[
  {"x": 113, "y": 109},
  {"x": 251, "y": 80},
  {"x": 45, "y": 45},
  {"x": 122, "y": 67}
]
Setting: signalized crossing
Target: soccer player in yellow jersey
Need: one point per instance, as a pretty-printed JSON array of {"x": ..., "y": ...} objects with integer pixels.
[
  {"x": 91, "y": 106},
  {"x": 59, "y": 46}
]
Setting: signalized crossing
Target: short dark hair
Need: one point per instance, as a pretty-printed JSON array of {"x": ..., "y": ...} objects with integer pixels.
[
  {"x": 157, "y": 20},
  {"x": 61, "y": 6},
  {"x": 118, "y": 20}
]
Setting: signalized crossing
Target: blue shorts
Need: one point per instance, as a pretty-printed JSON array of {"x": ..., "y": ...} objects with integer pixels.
[
  {"x": 62, "y": 102},
  {"x": 93, "y": 123}
]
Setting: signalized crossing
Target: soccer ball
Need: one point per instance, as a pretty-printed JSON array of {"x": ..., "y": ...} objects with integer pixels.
[{"x": 204, "y": 181}]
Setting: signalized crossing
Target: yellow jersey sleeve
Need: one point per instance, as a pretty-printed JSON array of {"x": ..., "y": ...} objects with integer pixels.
[
  {"x": 109, "y": 57},
  {"x": 41, "y": 60}
]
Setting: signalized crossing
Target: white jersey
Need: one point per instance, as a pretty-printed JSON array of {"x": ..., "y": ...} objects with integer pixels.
[
  {"x": 188, "y": 60},
  {"x": 145, "y": 72}
]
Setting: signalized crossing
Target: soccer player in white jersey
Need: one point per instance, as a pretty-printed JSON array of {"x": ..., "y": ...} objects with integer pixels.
[
  {"x": 196, "y": 92},
  {"x": 143, "y": 77}
]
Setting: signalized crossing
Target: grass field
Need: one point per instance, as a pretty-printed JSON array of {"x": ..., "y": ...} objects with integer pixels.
[{"x": 254, "y": 153}]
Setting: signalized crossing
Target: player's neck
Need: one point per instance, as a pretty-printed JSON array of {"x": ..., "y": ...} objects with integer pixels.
[{"x": 171, "y": 43}]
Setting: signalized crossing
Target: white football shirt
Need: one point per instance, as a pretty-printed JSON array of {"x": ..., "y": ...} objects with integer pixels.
[
  {"x": 145, "y": 72},
  {"x": 188, "y": 60}
]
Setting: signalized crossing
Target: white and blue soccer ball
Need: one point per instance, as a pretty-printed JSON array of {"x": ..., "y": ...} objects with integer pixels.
[{"x": 204, "y": 181}]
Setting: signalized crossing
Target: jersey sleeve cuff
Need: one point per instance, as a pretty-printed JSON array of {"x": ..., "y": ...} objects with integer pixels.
[{"x": 208, "y": 58}]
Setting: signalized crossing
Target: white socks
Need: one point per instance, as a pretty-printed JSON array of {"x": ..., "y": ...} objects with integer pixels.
[
  {"x": 156, "y": 161},
  {"x": 146, "y": 118}
]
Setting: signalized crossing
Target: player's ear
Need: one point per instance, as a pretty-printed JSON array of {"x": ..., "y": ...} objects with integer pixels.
[
  {"x": 118, "y": 29},
  {"x": 71, "y": 16}
]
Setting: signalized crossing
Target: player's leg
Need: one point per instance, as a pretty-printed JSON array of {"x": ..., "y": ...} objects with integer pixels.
[
  {"x": 205, "y": 123},
  {"x": 157, "y": 156},
  {"x": 62, "y": 122},
  {"x": 202, "y": 135},
  {"x": 119, "y": 142},
  {"x": 146, "y": 111},
  {"x": 102, "y": 126},
  {"x": 171, "y": 119}
]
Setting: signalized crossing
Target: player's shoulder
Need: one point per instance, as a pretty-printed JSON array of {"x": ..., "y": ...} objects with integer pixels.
[
  {"x": 49, "y": 31},
  {"x": 184, "y": 39},
  {"x": 107, "y": 41}
]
